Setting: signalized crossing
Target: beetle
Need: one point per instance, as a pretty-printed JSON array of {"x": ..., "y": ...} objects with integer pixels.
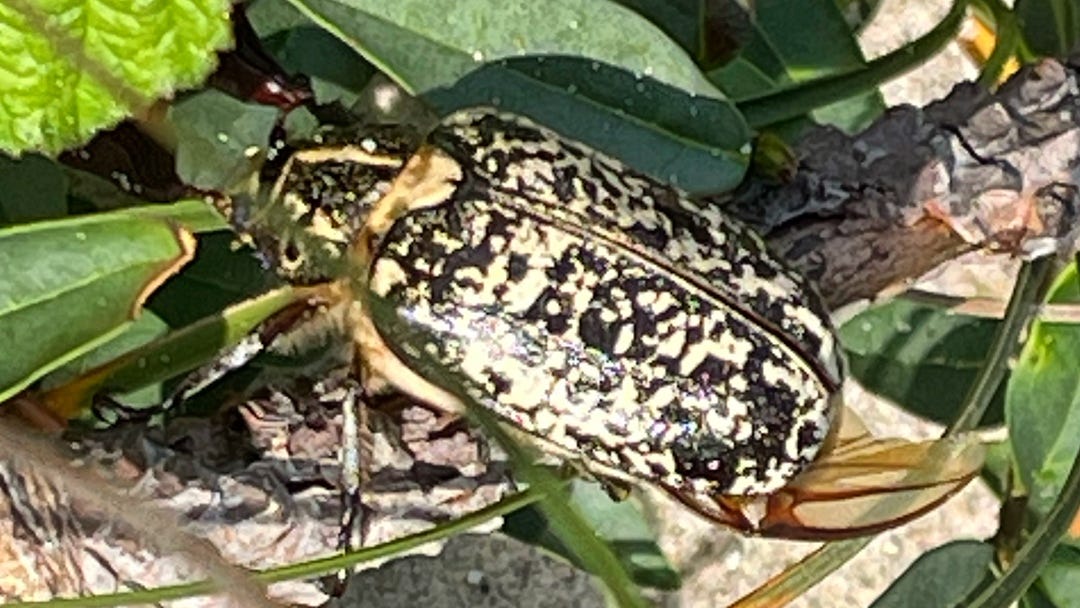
[{"x": 614, "y": 318}]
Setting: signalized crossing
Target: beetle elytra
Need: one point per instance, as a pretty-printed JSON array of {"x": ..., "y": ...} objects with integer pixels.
[{"x": 612, "y": 317}]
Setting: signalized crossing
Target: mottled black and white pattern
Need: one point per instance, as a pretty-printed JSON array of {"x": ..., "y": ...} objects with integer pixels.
[
  {"x": 303, "y": 223},
  {"x": 611, "y": 315}
]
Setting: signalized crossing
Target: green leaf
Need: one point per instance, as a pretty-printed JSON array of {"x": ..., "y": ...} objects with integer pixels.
[
  {"x": 195, "y": 215},
  {"x": 146, "y": 328},
  {"x": 922, "y": 357},
  {"x": 697, "y": 143},
  {"x": 217, "y": 136},
  {"x": 31, "y": 188},
  {"x": 69, "y": 285},
  {"x": 1042, "y": 403},
  {"x": 1050, "y": 27},
  {"x": 423, "y": 46},
  {"x": 680, "y": 20},
  {"x": 337, "y": 72},
  {"x": 618, "y": 524},
  {"x": 1059, "y": 579},
  {"x": 219, "y": 276},
  {"x": 768, "y": 109},
  {"x": 70, "y": 68},
  {"x": 799, "y": 41},
  {"x": 941, "y": 577},
  {"x": 173, "y": 354}
]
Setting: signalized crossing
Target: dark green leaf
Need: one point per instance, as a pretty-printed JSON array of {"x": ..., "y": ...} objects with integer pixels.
[
  {"x": 697, "y": 143},
  {"x": 337, "y": 72},
  {"x": 217, "y": 136},
  {"x": 423, "y": 47},
  {"x": 220, "y": 275},
  {"x": 943, "y": 577},
  {"x": 67, "y": 286},
  {"x": 619, "y": 524},
  {"x": 923, "y": 357},
  {"x": 1042, "y": 404},
  {"x": 798, "y": 41},
  {"x": 1050, "y": 27},
  {"x": 31, "y": 188}
]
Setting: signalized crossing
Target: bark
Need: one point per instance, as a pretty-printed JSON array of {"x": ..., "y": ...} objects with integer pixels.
[{"x": 922, "y": 186}]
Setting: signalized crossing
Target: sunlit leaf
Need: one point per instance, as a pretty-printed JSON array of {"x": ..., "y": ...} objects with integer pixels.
[
  {"x": 70, "y": 68},
  {"x": 1042, "y": 404},
  {"x": 921, "y": 356},
  {"x": 67, "y": 286}
]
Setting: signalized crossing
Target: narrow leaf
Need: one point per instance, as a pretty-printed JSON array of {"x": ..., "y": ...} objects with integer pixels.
[
  {"x": 173, "y": 354},
  {"x": 619, "y": 524}
]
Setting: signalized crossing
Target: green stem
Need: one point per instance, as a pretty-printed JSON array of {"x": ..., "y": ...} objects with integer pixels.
[
  {"x": 1025, "y": 300},
  {"x": 1008, "y": 37},
  {"x": 778, "y": 106},
  {"x": 1037, "y": 551},
  {"x": 318, "y": 567}
]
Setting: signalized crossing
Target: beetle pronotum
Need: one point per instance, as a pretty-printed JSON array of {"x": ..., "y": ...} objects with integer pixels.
[{"x": 614, "y": 318}]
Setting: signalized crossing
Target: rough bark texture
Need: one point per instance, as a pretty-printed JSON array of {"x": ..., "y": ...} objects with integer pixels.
[
  {"x": 922, "y": 186},
  {"x": 863, "y": 212}
]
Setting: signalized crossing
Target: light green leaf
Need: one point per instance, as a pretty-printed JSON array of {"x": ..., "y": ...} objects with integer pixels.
[
  {"x": 69, "y": 68},
  {"x": 424, "y": 45},
  {"x": 1042, "y": 403},
  {"x": 70, "y": 285}
]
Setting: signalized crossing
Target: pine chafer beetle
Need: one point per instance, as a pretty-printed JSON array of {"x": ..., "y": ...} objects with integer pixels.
[{"x": 614, "y": 318}]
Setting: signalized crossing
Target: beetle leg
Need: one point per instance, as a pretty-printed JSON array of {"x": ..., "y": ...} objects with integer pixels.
[
  {"x": 617, "y": 490},
  {"x": 354, "y": 473}
]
